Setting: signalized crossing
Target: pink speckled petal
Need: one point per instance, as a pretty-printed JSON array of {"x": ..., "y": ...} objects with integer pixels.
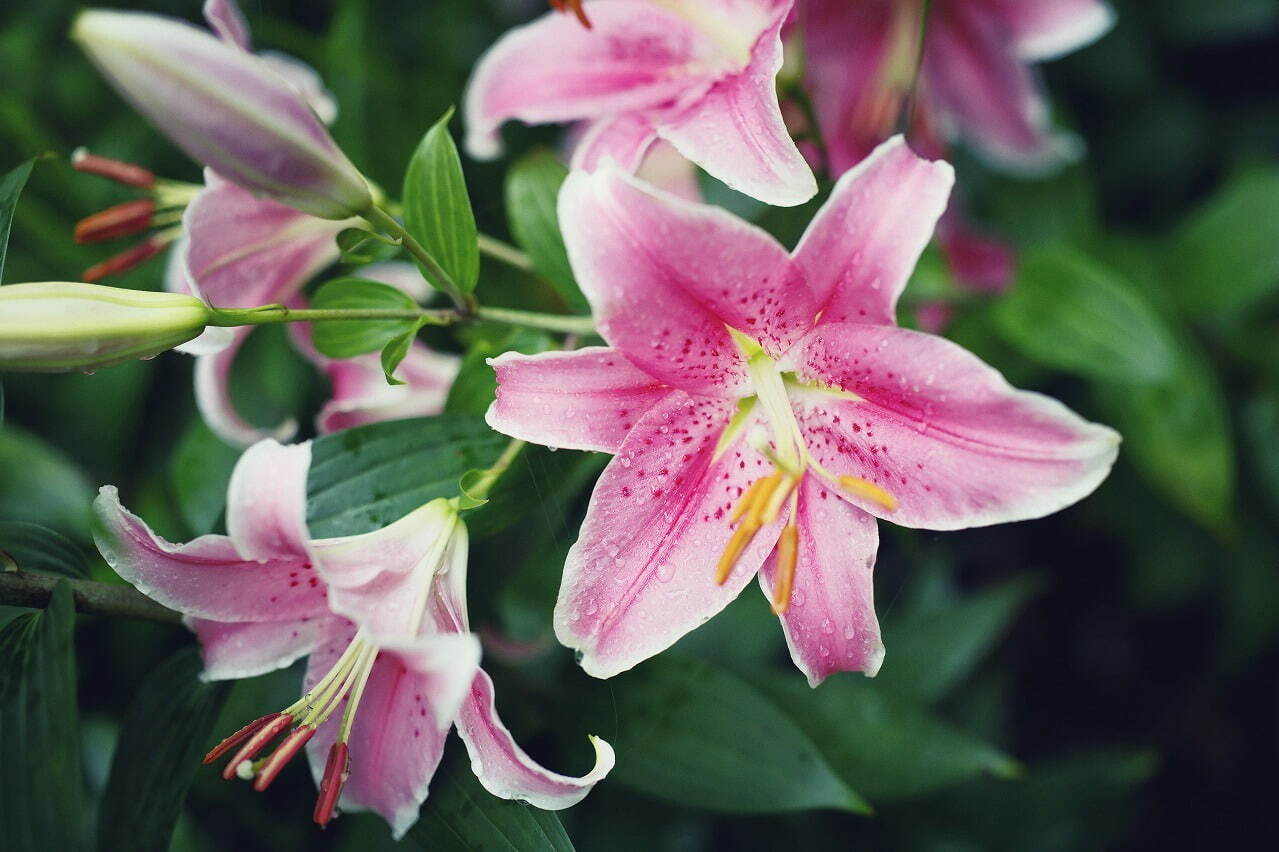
[
  {"x": 665, "y": 278},
  {"x": 227, "y": 22},
  {"x": 361, "y": 394},
  {"x": 506, "y": 770},
  {"x": 981, "y": 86},
  {"x": 588, "y": 399},
  {"x": 642, "y": 573},
  {"x": 381, "y": 580},
  {"x": 401, "y": 724},
  {"x": 830, "y": 624},
  {"x": 246, "y": 251},
  {"x": 861, "y": 247},
  {"x": 637, "y": 55},
  {"x": 1045, "y": 29},
  {"x": 846, "y": 49},
  {"x": 234, "y": 650},
  {"x": 266, "y": 501},
  {"x": 622, "y": 138},
  {"x": 942, "y": 431},
  {"x": 207, "y": 577},
  {"x": 735, "y": 131}
]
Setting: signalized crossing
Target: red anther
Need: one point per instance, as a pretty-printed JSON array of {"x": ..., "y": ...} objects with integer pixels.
[
  {"x": 335, "y": 775},
  {"x": 125, "y": 260},
  {"x": 256, "y": 743},
  {"x": 575, "y": 6},
  {"x": 239, "y": 737},
  {"x": 283, "y": 753},
  {"x": 116, "y": 170},
  {"x": 131, "y": 217}
]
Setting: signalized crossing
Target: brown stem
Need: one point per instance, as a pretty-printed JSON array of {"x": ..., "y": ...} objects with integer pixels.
[{"x": 21, "y": 588}]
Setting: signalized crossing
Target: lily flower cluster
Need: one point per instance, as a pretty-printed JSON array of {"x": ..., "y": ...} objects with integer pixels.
[{"x": 763, "y": 408}]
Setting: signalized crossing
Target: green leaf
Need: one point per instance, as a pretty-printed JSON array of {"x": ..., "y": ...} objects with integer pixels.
[
  {"x": 11, "y": 186},
  {"x": 158, "y": 753},
  {"x": 1226, "y": 256},
  {"x": 395, "y": 350},
  {"x": 201, "y": 472},
  {"x": 461, "y": 816},
  {"x": 36, "y": 548},
  {"x": 437, "y": 209},
  {"x": 1069, "y": 313},
  {"x": 41, "y": 785},
  {"x": 885, "y": 747},
  {"x": 931, "y": 651},
  {"x": 40, "y": 484},
  {"x": 532, "y": 190},
  {"x": 1178, "y": 433},
  {"x": 348, "y": 338},
  {"x": 699, "y": 736},
  {"x": 363, "y": 479}
]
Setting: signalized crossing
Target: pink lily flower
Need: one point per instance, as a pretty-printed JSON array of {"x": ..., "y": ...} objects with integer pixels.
[
  {"x": 697, "y": 73},
  {"x": 763, "y": 409},
  {"x": 392, "y": 664},
  {"x": 241, "y": 251},
  {"x": 975, "y": 79},
  {"x": 361, "y": 394}
]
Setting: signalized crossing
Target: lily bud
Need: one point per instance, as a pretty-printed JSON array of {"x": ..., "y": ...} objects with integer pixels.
[
  {"x": 55, "y": 326},
  {"x": 226, "y": 108}
]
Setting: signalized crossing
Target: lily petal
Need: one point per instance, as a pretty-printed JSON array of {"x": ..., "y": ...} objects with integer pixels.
[
  {"x": 846, "y": 52},
  {"x": 409, "y": 703},
  {"x": 206, "y": 578},
  {"x": 587, "y": 399},
  {"x": 941, "y": 431},
  {"x": 622, "y": 138},
  {"x": 860, "y": 249},
  {"x": 642, "y": 573},
  {"x": 243, "y": 251},
  {"x": 227, "y": 22},
  {"x": 830, "y": 624},
  {"x": 266, "y": 501},
  {"x": 381, "y": 580},
  {"x": 361, "y": 394},
  {"x": 234, "y": 650},
  {"x": 637, "y": 55},
  {"x": 666, "y": 278},
  {"x": 506, "y": 770},
  {"x": 1046, "y": 29},
  {"x": 736, "y": 132},
  {"x": 978, "y": 82}
]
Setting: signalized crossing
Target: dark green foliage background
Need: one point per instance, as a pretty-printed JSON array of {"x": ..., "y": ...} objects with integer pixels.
[{"x": 1103, "y": 678}]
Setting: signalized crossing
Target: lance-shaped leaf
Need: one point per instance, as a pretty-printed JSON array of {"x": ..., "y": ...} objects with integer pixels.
[
  {"x": 697, "y": 735},
  {"x": 1067, "y": 312},
  {"x": 41, "y": 786},
  {"x": 348, "y": 338},
  {"x": 37, "y": 548},
  {"x": 532, "y": 189},
  {"x": 11, "y": 186},
  {"x": 437, "y": 209},
  {"x": 158, "y": 754},
  {"x": 362, "y": 479}
]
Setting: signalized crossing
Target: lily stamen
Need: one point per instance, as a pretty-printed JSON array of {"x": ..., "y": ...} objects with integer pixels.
[
  {"x": 868, "y": 490},
  {"x": 574, "y": 6},
  {"x": 752, "y": 504},
  {"x": 787, "y": 556}
]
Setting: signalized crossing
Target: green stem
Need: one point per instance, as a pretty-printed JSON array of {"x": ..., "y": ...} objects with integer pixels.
[
  {"x": 20, "y": 588},
  {"x": 269, "y": 314},
  {"x": 547, "y": 322},
  {"x": 505, "y": 252},
  {"x": 481, "y": 487},
  {"x": 380, "y": 219}
]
